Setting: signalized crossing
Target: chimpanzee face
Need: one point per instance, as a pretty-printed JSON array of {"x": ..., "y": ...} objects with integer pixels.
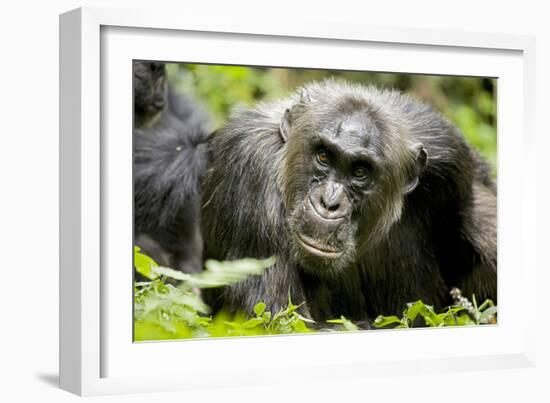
[
  {"x": 343, "y": 184},
  {"x": 149, "y": 89}
]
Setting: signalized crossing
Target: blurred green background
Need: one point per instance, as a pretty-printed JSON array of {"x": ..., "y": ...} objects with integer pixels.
[{"x": 469, "y": 102}]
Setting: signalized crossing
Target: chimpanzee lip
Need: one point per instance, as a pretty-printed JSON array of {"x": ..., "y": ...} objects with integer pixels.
[{"x": 316, "y": 249}]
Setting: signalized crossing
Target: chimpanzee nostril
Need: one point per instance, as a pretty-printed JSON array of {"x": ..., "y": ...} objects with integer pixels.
[{"x": 329, "y": 200}]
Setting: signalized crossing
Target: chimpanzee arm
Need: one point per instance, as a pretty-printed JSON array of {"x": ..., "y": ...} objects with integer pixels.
[{"x": 479, "y": 229}]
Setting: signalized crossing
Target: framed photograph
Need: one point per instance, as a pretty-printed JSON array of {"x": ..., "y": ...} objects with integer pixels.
[{"x": 258, "y": 200}]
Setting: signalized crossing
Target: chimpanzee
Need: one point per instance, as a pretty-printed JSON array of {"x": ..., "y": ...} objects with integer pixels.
[
  {"x": 170, "y": 158},
  {"x": 150, "y": 89},
  {"x": 368, "y": 198}
]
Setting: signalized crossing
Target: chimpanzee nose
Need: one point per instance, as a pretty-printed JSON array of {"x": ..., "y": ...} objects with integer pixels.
[{"x": 330, "y": 201}]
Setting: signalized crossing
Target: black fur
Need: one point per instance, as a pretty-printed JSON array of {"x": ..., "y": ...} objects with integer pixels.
[
  {"x": 170, "y": 159},
  {"x": 417, "y": 229},
  {"x": 149, "y": 84}
]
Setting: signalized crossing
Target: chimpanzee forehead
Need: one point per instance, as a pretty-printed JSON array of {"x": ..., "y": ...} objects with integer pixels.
[
  {"x": 351, "y": 136},
  {"x": 356, "y": 130}
]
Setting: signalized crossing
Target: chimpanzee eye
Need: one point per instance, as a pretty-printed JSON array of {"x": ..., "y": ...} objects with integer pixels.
[
  {"x": 360, "y": 172},
  {"x": 322, "y": 157}
]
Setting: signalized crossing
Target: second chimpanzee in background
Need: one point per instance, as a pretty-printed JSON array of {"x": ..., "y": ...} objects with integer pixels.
[
  {"x": 170, "y": 158},
  {"x": 150, "y": 92}
]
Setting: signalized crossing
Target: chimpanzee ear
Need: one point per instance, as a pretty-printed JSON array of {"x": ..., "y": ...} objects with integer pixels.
[
  {"x": 305, "y": 97},
  {"x": 286, "y": 120},
  {"x": 284, "y": 126},
  {"x": 421, "y": 159}
]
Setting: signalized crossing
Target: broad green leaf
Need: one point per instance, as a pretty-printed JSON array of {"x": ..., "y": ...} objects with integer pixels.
[
  {"x": 171, "y": 273},
  {"x": 144, "y": 264},
  {"x": 229, "y": 272},
  {"x": 259, "y": 308},
  {"x": 299, "y": 326},
  {"x": 253, "y": 323},
  {"x": 414, "y": 309},
  {"x": 190, "y": 300},
  {"x": 218, "y": 274},
  {"x": 382, "y": 321}
]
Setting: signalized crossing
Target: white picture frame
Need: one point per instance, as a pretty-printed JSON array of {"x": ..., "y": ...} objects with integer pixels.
[{"x": 96, "y": 354}]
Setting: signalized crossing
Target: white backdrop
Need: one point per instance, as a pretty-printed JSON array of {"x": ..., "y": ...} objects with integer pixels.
[{"x": 29, "y": 201}]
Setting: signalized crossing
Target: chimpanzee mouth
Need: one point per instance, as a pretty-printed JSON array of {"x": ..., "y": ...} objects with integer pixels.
[{"x": 317, "y": 249}]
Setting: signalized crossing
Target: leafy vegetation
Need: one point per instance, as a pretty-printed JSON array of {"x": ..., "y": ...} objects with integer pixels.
[
  {"x": 163, "y": 311},
  {"x": 418, "y": 314}
]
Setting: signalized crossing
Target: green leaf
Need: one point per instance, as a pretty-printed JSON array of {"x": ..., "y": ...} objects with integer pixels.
[
  {"x": 414, "y": 309},
  {"x": 463, "y": 319},
  {"x": 217, "y": 274},
  {"x": 486, "y": 304},
  {"x": 303, "y": 318},
  {"x": 253, "y": 323},
  {"x": 383, "y": 321},
  {"x": 299, "y": 326},
  {"x": 431, "y": 318},
  {"x": 171, "y": 273},
  {"x": 259, "y": 308},
  {"x": 337, "y": 321},
  {"x": 349, "y": 325},
  {"x": 190, "y": 300},
  {"x": 346, "y": 324},
  {"x": 491, "y": 311},
  {"x": 488, "y": 315},
  {"x": 229, "y": 272},
  {"x": 144, "y": 264}
]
